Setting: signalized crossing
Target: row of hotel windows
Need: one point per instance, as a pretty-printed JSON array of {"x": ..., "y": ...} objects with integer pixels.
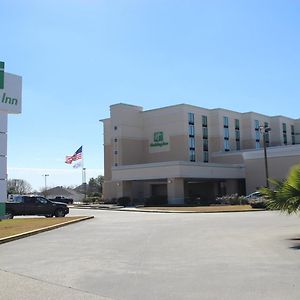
[
  {"x": 192, "y": 153},
  {"x": 226, "y": 134},
  {"x": 191, "y": 120}
]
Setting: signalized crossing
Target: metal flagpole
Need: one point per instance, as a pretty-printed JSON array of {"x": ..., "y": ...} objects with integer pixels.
[{"x": 83, "y": 174}]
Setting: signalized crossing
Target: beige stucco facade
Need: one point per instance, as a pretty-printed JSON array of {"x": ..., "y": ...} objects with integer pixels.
[{"x": 184, "y": 151}]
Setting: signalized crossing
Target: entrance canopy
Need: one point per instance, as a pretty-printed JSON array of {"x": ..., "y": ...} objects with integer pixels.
[{"x": 178, "y": 169}]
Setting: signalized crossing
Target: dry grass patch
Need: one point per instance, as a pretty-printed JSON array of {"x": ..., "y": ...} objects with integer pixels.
[
  {"x": 21, "y": 225},
  {"x": 217, "y": 208}
]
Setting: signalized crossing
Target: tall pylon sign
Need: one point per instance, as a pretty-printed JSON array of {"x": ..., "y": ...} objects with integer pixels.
[{"x": 10, "y": 103}]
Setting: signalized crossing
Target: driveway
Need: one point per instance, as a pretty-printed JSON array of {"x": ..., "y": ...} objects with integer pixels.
[{"x": 133, "y": 255}]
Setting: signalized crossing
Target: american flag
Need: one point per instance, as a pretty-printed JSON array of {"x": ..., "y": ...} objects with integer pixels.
[{"x": 76, "y": 156}]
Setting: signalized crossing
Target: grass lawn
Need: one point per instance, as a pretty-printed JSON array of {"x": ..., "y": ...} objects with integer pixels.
[
  {"x": 217, "y": 208},
  {"x": 21, "y": 225}
]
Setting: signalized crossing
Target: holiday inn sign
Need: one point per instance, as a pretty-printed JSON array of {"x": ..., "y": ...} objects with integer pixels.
[
  {"x": 10, "y": 103},
  {"x": 158, "y": 140},
  {"x": 10, "y": 91}
]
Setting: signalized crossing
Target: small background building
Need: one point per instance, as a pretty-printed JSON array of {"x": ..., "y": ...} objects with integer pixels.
[
  {"x": 65, "y": 192},
  {"x": 183, "y": 151}
]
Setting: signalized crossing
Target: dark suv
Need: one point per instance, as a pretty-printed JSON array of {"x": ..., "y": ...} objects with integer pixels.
[{"x": 35, "y": 205}]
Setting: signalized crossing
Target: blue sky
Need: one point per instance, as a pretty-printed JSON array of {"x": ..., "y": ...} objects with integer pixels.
[{"x": 77, "y": 57}]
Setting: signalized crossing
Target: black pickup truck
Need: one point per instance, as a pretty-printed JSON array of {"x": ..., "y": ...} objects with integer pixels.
[
  {"x": 35, "y": 205},
  {"x": 62, "y": 199}
]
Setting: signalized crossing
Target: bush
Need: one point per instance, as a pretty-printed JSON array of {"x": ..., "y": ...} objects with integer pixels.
[
  {"x": 156, "y": 200},
  {"x": 198, "y": 201},
  {"x": 91, "y": 200},
  {"x": 110, "y": 201},
  {"x": 232, "y": 200},
  {"x": 123, "y": 201}
]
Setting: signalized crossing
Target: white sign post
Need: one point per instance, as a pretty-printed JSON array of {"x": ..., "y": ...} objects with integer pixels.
[{"x": 10, "y": 103}]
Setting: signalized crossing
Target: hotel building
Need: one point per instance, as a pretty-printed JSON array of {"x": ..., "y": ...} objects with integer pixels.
[{"x": 183, "y": 151}]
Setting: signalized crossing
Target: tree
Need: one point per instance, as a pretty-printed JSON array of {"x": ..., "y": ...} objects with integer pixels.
[
  {"x": 285, "y": 195},
  {"x": 18, "y": 186},
  {"x": 95, "y": 185}
]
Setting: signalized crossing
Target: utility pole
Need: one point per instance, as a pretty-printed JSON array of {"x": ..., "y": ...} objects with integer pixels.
[
  {"x": 84, "y": 181},
  {"x": 264, "y": 131},
  {"x": 45, "y": 175}
]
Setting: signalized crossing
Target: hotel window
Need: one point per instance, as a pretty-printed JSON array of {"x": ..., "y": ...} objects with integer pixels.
[
  {"x": 204, "y": 121},
  {"x": 267, "y": 135},
  {"x": 191, "y": 130},
  {"x": 205, "y": 138},
  {"x": 226, "y": 133},
  {"x": 226, "y": 145},
  {"x": 225, "y": 120},
  {"x": 257, "y": 134},
  {"x": 205, "y": 145},
  {"x": 293, "y": 134},
  {"x": 293, "y": 129},
  {"x": 237, "y": 134},
  {"x": 192, "y": 143},
  {"x": 205, "y": 156},
  {"x": 237, "y": 124},
  {"x": 192, "y": 155},
  {"x": 284, "y": 127},
  {"x": 284, "y": 133},
  {"x": 191, "y": 118},
  {"x": 205, "y": 133},
  {"x": 237, "y": 140}
]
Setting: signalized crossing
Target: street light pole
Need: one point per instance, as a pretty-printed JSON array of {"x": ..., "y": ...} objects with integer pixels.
[
  {"x": 264, "y": 131},
  {"x": 45, "y": 175},
  {"x": 84, "y": 181}
]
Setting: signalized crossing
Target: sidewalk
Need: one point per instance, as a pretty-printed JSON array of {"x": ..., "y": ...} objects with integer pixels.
[{"x": 172, "y": 209}]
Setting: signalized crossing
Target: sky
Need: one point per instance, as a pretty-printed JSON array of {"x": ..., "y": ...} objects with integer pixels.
[{"x": 78, "y": 57}]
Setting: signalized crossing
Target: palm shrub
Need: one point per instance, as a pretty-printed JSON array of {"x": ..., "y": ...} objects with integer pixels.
[{"x": 285, "y": 195}]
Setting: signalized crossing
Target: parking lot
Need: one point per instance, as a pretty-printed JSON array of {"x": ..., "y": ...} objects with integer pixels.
[{"x": 134, "y": 255}]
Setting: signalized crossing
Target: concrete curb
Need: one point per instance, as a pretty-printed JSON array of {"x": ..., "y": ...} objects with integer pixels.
[
  {"x": 48, "y": 228},
  {"x": 171, "y": 211}
]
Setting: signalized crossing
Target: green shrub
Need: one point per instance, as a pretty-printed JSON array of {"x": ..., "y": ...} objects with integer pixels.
[
  {"x": 233, "y": 199},
  {"x": 124, "y": 201},
  {"x": 156, "y": 200}
]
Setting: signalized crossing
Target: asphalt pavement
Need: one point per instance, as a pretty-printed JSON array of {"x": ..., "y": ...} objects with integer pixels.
[{"x": 127, "y": 255}]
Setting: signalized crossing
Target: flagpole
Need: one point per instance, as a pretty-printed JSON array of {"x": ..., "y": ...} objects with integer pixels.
[{"x": 83, "y": 174}]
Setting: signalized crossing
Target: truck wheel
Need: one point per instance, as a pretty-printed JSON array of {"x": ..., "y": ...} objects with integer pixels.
[
  {"x": 10, "y": 215},
  {"x": 59, "y": 213}
]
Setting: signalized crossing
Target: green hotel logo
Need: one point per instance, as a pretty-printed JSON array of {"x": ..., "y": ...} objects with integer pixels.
[
  {"x": 158, "y": 140},
  {"x": 158, "y": 137},
  {"x": 1, "y": 75}
]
